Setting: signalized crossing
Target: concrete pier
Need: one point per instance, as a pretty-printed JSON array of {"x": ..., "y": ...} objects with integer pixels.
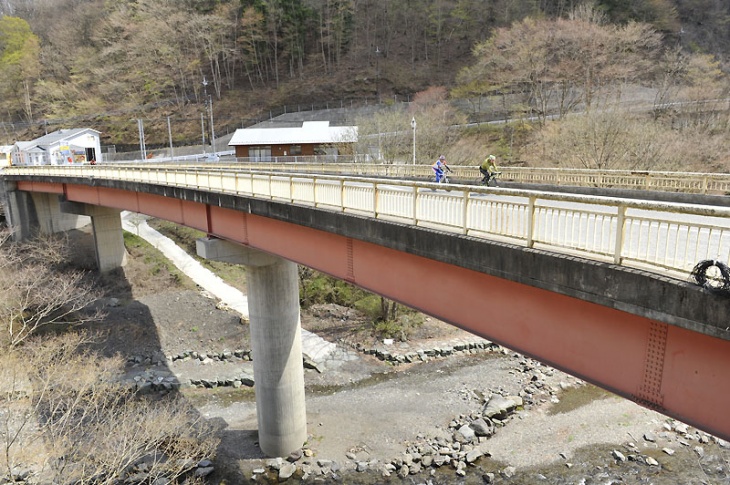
[
  {"x": 273, "y": 302},
  {"x": 106, "y": 225},
  {"x": 28, "y": 214},
  {"x": 19, "y": 211}
]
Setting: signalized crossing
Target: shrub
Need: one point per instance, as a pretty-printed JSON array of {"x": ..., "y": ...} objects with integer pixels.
[
  {"x": 38, "y": 289},
  {"x": 68, "y": 416},
  {"x": 400, "y": 328},
  {"x": 317, "y": 288}
]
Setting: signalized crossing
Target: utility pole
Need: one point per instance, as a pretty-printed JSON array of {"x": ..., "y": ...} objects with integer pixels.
[
  {"x": 209, "y": 106},
  {"x": 413, "y": 125},
  {"x": 212, "y": 130},
  {"x": 377, "y": 72},
  {"x": 202, "y": 128},
  {"x": 169, "y": 135},
  {"x": 142, "y": 147}
]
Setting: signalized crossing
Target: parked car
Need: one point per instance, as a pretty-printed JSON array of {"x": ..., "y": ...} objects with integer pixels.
[{"x": 209, "y": 157}]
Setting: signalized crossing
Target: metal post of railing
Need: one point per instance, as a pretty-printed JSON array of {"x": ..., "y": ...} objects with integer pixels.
[
  {"x": 620, "y": 234},
  {"x": 342, "y": 194},
  {"x": 465, "y": 213},
  {"x": 314, "y": 191},
  {"x": 375, "y": 200},
  {"x": 531, "y": 220},
  {"x": 415, "y": 205}
]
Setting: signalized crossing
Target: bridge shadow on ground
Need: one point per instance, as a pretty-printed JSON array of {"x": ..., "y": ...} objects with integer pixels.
[{"x": 153, "y": 315}]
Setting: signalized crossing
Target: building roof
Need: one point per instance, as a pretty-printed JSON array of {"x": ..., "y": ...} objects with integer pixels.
[
  {"x": 22, "y": 145},
  {"x": 309, "y": 132},
  {"x": 59, "y": 136}
]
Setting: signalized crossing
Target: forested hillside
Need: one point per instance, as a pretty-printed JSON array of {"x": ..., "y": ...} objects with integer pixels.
[{"x": 105, "y": 64}]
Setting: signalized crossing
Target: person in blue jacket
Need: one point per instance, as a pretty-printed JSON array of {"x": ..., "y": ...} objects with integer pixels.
[{"x": 439, "y": 167}]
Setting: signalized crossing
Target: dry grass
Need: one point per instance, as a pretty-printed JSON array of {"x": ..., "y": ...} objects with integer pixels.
[{"x": 68, "y": 417}]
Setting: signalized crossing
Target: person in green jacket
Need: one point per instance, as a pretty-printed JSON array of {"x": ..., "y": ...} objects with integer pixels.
[{"x": 488, "y": 168}]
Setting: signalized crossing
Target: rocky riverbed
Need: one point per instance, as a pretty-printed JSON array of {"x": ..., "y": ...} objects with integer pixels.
[{"x": 452, "y": 411}]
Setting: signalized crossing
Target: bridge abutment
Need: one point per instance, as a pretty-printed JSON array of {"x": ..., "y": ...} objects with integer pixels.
[
  {"x": 19, "y": 212},
  {"x": 276, "y": 341},
  {"x": 36, "y": 212},
  {"x": 28, "y": 213}
]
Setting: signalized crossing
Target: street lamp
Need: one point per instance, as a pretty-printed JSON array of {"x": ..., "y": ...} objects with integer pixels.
[
  {"x": 377, "y": 72},
  {"x": 413, "y": 125}
]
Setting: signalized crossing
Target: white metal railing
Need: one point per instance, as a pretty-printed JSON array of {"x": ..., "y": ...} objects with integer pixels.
[
  {"x": 687, "y": 182},
  {"x": 658, "y": 236}
]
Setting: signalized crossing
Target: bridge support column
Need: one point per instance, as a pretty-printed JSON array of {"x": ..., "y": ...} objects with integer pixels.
[
  {"x": 28, "y": 213},
  {"x": 276, "y": 340},
  {"x": 19, "y": 212},
  {"x": 106, "y": 225}
]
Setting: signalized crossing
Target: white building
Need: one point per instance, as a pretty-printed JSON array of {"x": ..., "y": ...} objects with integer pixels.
[
  {"x": 5, "y": 151},
  {"x": 72, "y": 146}
]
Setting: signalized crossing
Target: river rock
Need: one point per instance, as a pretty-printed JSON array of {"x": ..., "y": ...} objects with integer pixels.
[
  {"x": 440, "y": 460},
  {"x": 482, "y": 427},
  {"x": 464, "y": 434},
  {"x": 286, "y": 471},
  {"x": 203, "y": 472},
  {"x": 473, "y": 455},
  {"x": 500, "y": 406}
]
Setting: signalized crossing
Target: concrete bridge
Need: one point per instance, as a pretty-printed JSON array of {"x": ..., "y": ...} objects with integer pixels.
[{"x": 592, "y": 284}]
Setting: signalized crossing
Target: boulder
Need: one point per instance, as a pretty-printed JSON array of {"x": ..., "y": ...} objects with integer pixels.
[
  {"x": 286, "y": 471},
  {"x": 500, "y": 406},
  {"x": 482, "y": 427}
]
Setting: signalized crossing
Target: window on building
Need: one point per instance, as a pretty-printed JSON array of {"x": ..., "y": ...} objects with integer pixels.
[
  {"x": 295, "y": 150},
  {"x": 260, "y": 153}
]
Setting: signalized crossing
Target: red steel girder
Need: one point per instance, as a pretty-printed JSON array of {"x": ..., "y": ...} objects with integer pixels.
[{"x": 671, "y": 369}]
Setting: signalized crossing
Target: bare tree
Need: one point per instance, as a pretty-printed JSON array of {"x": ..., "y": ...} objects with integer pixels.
[
  {"x": 558, "y": 64},
  {"x": 616, "y": 139},
  {"x": 388, "y": 132},
  {"x": 74, "y": 421},
  {"x": 385, "y": 135},
  {"x": 36, "y": 289},
  {"x": 436, "y": 122}
]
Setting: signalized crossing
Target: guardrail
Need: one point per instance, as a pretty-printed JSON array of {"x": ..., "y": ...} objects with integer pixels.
[
  {"x": 686, "y": 182},
  {"x": 658, "y": 236}
]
